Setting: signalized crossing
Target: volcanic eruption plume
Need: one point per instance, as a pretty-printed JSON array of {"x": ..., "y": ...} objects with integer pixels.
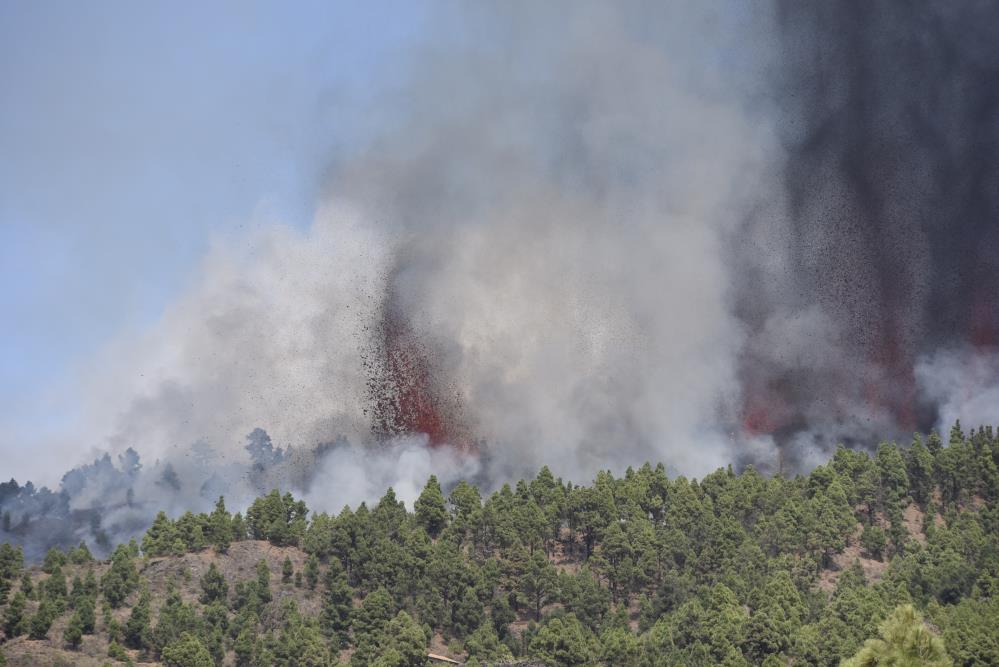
[
  {"x": 408, "y": 392},
  {"x": 592, "y": 236}
]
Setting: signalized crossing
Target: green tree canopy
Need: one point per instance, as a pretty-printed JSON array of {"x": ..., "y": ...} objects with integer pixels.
[
  {"x": 905, "y": 641},
  {"x": 187, "y": 651},
  {"x": 431, "y": 512}
]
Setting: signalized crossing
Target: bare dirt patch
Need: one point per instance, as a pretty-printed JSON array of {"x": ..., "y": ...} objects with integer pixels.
[
  {"x": 912, "y": 519},
  {"x": 873, "y": 569},
  {"x": 439, "y": 646}
]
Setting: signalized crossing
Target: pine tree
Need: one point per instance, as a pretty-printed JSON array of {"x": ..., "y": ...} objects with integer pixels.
[
  {"x": 245, "y": 648},
  {"x": 874, "y": 540},
  {"x": 137, "y": 630},
  {"x": 377, "y": 609},
  {"x": 467, "y": 613},
  {"x": 238, "y": 527},
  {"x": 312, "y": 572},
  {"x": 337, "y": 607},
  {"x": 179, "y": 547},
  {"x": 11, "y": 562},
  {"x": 276, "y": 518},
  {"x": 893, "y": 476},
  {"x": 956, "y": 434},
  {"x": 564, "y": 641},
  {"x": 120, "y": 579},
  {"x": 13, "y": 621},
  {"x": 617, "y": 551},
  {"x": 619, "y": 647},
  {"x": 175, "y": 618},
  {"x": 485, "y": 645},
  {"x": 160, "y": 537},
  {"x": 213, "y": 586},
  {"x": 117, "y": 651},
  {"x": 55, "y": 588},
  {"x": 287, "y": 570},
  {"x": 197, "y": 541},
  {"x": 81, "y": 554},
  {"x": 905, "y": 642},
  {"x": 934, "y": 444},
  {"x": 406, "y": 639},
  {"x": 263, "y": 581},
  {"x": 53, "y": 558},
  {"x": 431, "y": 512},
  {"x": 27, "y": 586},
  {"x": 464, "y": 501},
  {"x": 221, "y": 527},
  {"x": 38, "y": 627},
  {"x": 502, "y": 616},
  {"x": 919, "y": 466},
  {"x": 73, "y": 634},
  {"x": 214, "y": 641},
  {"x": 76, "y": 592},
  {"x": 88, "y": 615},
  {"x": 538, "y": 582},
  {"x": 187, "y": 651}
]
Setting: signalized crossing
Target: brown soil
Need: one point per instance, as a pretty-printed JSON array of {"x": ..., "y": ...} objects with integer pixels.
[
  {"x": 439, "y": 646},
  {"x": 912, "y": 519},
  {"x": 873, "y": 569}
]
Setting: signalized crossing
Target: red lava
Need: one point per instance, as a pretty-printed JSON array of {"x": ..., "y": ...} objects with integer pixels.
[{"x": 410, "y": 395}]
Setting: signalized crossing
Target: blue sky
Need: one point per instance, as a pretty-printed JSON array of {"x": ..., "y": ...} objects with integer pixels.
[{"x": 131, "y": 133}]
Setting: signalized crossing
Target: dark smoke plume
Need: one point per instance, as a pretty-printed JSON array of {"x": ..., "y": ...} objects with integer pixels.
[{"x": 890, "y": 123}]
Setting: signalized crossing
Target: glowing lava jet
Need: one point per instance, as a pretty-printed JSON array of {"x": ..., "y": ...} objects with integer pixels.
[{"x": 407, "y": 390}]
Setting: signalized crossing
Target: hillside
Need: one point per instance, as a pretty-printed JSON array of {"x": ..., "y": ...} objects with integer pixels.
[{"x": 641, "y": 570}]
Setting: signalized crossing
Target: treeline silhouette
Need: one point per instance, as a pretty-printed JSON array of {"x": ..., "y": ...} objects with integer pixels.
[{"x": 869, "y": 559}]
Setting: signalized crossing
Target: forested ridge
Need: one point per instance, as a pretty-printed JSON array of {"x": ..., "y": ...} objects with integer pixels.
[{"x": 889, "y": 558}]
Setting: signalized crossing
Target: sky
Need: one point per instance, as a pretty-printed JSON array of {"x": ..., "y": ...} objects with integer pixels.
[{"x": 132, "y": 135}]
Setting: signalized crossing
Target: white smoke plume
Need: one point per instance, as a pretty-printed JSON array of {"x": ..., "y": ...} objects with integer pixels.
[
  {"x": 270, "y": 334},
  {"x": 964, "y": 383},
  {"x": 550, "y": 215}
]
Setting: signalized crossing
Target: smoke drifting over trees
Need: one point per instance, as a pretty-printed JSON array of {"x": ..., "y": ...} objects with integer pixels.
[{"x": 693, "y": 233}]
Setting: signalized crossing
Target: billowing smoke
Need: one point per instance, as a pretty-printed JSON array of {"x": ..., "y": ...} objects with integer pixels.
[
  {"x": 695, "y": 234},
  {"x": 529, "y": 265}
]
